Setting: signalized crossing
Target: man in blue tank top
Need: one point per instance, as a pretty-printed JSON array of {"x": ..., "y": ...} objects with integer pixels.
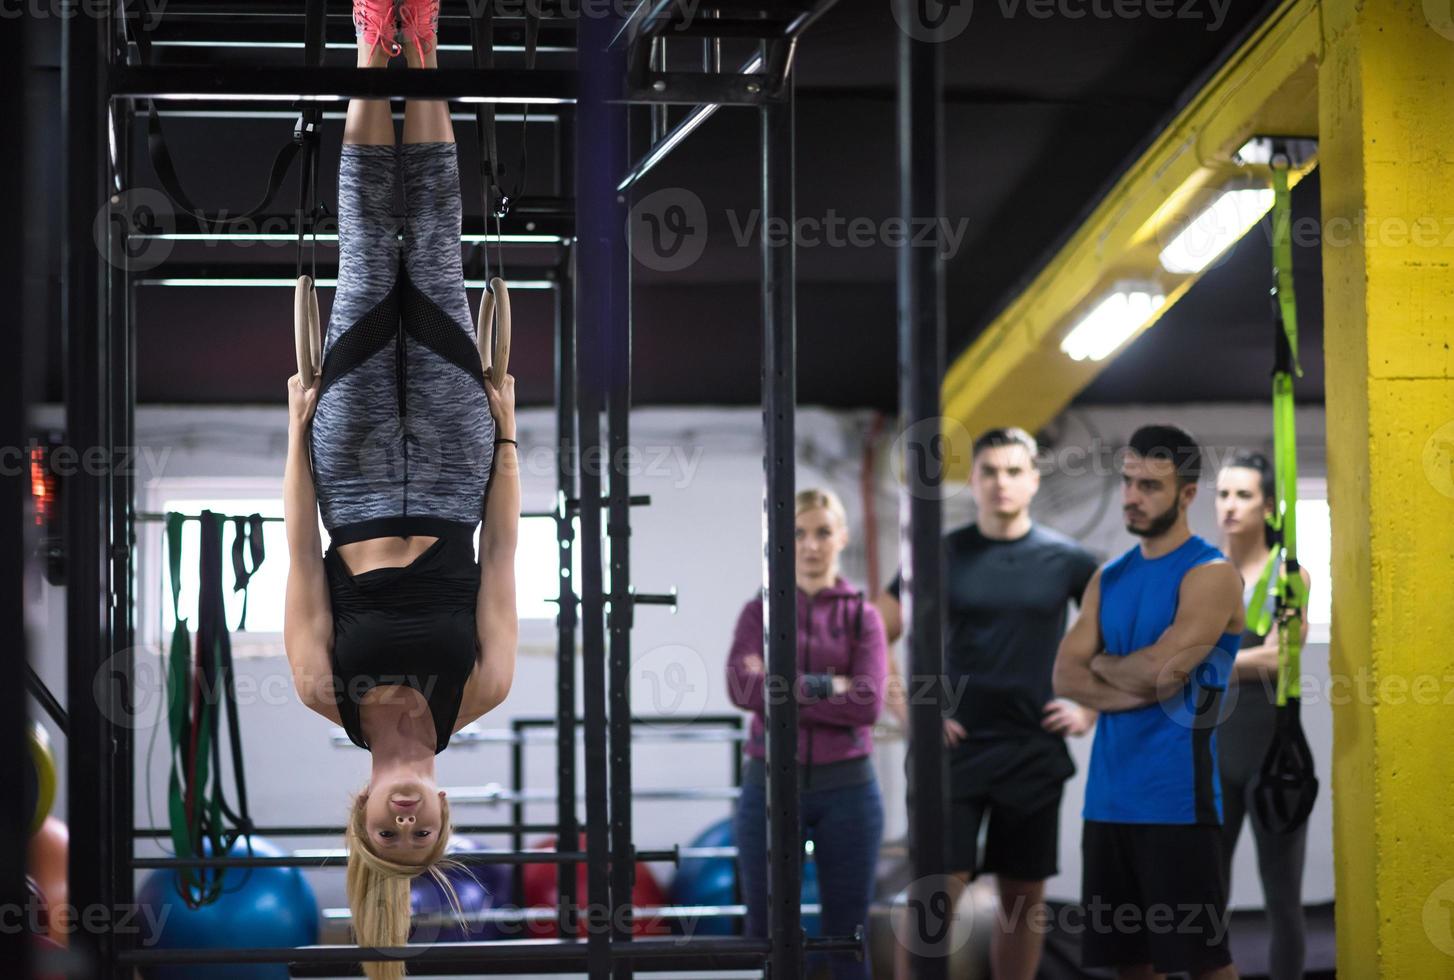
[{"x": 1152, "y": 650}]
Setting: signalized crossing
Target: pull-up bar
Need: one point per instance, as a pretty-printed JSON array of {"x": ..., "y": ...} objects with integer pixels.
[{"x": 522, "y": 955}]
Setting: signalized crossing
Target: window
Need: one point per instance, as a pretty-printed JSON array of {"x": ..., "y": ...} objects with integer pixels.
[
  {"x": 536, "y": 565},
  {"x": 1315, "y": 553},
  {"x": 265, "y": 590}
]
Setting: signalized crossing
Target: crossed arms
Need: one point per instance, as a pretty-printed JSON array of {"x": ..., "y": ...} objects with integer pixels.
[{"x": 1209, "y": 604}]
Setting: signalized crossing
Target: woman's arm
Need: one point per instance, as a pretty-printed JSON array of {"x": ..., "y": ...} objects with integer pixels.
[
  {"x": 307, "y": 611},
  {"x": 497, "y": 620},
  {"x": 745, "y": 678},
  {"x": 858, "y": 697},
  {"x": 1260, "y": 662}
]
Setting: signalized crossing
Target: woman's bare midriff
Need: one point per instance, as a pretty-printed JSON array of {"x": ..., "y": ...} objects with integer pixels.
[{"x": 365, "y": 556}]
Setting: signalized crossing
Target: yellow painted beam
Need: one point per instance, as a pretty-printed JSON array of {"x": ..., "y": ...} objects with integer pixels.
[
  {"x": 1387, "y": 82},
  {"x": 1015, "y": 373}
]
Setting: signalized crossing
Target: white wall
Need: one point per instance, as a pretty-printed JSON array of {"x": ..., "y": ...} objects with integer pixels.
[{"x": 701, "y": 535}]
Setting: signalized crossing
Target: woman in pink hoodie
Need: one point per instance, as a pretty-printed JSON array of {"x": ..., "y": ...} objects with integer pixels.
[{"x": 842, "y": 662}]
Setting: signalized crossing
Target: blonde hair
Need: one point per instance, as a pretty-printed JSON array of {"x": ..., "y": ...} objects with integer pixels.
[
  {"x": 378, "y": 889},
  {"x": 814, "y": 498}
]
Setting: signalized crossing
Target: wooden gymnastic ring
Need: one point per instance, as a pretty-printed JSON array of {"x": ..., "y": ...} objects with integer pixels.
[
  {"x": 494, "y": 311},
  {"x": 307, "y": 342}
]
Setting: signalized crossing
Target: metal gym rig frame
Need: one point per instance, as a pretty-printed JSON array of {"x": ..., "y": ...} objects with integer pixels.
[{"x": 592, "y": 375}]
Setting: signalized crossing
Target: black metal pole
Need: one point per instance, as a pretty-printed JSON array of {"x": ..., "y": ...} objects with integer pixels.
[
  {"x": 618, "y": 532},
  {"x": 91, "y": 748},
  {"x": 921, "y": 360},
  {"x": 14, "y": 821},
  {"x": 517, "y": 812},
  {"x": 121, "y": 368},
  {"x": 567, "y": 612},
  {"x": 780, "y": 630},
  {"x": 466, "y": 830},
  {"x": 675, "y": 954},
  {"x": 515, "y": 858},
  {"x": 600, "y": 77},
  {"x": 234, "y": 83}
]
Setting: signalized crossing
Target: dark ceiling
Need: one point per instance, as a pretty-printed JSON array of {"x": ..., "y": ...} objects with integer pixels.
[{"x": 1041, "y": 114}]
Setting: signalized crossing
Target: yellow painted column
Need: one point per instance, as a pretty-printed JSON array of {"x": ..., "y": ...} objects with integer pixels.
[{"x": 1386, "y": 132}]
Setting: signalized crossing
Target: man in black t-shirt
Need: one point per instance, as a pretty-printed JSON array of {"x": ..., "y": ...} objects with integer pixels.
[{"x": 1008, "y": 584}]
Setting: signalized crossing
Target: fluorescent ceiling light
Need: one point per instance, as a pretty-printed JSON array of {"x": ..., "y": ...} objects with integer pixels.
[
  {"x": 261, "y": 281},
  {"x": 267, "y": 236},
  {"x": 1113, "y": 319},
  {"x": 1216, "y": 229},
  {"x": 332, "y": 114},
  {"x": 274, "y": 97},
  {"x": 341, "y": 46}
]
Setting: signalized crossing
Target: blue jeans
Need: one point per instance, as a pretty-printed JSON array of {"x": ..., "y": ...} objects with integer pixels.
[{"x": 846, "y": 827}]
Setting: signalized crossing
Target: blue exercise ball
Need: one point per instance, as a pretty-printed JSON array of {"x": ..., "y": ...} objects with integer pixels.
[
  {"x": 258, "y": 907},
  {"x": 713, "y": 881},
  {"x": 477, "y": 886}
]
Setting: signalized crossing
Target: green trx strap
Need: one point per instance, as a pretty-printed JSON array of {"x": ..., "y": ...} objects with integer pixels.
[
  {"x": 1287, "y": 786},
  {"x": 1291, "y": 594},
  {"x": 1282, "y": 261},
  {"x": 1259, "y": 617}
]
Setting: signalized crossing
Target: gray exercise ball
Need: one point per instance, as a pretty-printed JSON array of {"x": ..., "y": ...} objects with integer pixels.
[{"x": 969, "y": 938}]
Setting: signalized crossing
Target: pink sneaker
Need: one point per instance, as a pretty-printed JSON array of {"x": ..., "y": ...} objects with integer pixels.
[
  {"x": 373, "y": 20},
  {"x": 419, "y": 24}
]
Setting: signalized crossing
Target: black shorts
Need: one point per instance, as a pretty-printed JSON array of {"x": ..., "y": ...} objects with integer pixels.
[
  {"x": 1153, "y": 893},
  {"x": 1019, "y": 844}
]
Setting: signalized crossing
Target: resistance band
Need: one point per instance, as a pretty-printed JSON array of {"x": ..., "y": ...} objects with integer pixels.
[
  {"x": 196, "y": 686},
  {"x": 492, "y": 325},
  {"x": 1287, "y": 786},
  {"x": 161, "y": 157}
]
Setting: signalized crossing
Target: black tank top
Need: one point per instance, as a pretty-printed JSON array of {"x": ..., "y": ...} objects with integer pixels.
[{"x": 412, "y": 626}]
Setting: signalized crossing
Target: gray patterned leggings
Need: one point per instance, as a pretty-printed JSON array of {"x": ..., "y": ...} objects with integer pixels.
[{"x": 402, "y": 440}]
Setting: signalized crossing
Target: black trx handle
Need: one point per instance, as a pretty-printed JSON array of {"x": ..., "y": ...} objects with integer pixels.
[{"x": 1287, "y": 787}]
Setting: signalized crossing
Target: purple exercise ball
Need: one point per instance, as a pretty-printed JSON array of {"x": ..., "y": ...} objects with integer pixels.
[{"x": 478, "y": 887}]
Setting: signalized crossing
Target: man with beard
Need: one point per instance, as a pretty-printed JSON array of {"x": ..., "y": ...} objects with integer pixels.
[
  {"x": 1007, "y": 589},
  {"x": 1152, "y": 650}
]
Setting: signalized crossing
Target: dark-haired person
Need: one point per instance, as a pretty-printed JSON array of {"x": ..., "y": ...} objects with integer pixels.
[
  {"x": 1008, "y": 584},
  {"x": 1245, "y": 497},
  {"x": 1152, "y": 650}
]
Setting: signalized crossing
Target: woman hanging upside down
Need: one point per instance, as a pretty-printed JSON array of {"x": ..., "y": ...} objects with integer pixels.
[{"x": 398, "y": 633}]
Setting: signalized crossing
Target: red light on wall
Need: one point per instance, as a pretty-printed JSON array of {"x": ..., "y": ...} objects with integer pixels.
[{"x": 42, "y": 486}]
